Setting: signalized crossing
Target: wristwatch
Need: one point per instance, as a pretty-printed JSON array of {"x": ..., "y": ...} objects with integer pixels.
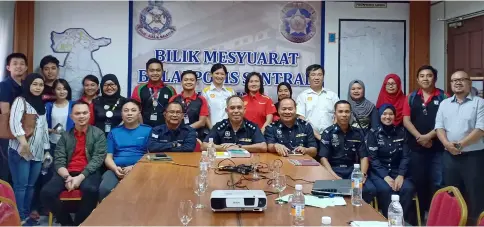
[{"x": 458, "y": 146}]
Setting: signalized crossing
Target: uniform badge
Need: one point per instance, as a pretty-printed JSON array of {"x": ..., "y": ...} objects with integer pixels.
[
  {"x": 155, "y": 22},
  {"x": 310, "y": 98},
  {"x": 279, "y": 131},
  {"x": 212, "y": 96},
  {"x": 436, "y": 102},
  {"x": 335, "y": 140},
  {"x": 227, "y": 133},
  {"x": 298, "y": 22}
]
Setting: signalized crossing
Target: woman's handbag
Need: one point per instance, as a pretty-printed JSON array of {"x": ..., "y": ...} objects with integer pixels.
[{"x": 28, "y": 124}]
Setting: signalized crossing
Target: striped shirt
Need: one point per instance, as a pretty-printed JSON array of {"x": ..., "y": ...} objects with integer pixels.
[{"x": 39, "y": 141}]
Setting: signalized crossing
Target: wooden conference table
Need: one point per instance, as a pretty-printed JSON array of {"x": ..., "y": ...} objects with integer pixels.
[{"x": 150, "y": 196}]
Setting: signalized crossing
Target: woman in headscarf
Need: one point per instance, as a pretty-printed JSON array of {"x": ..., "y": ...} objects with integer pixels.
[
  {"x": 284, "y": 90},
  {"x": 391, "y": 93},
  {"x": 25, "y": 155},
  {"x": 364, "y": 110},
  {"x": 389, "y": 159},
  {"x": 107, "y": 107}
]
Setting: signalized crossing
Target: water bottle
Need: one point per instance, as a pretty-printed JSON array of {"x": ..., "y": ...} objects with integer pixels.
[
  {"x": 356, "y": 186},
  {"x": 395, "y": 212},
  {"x": 211, "y": 152},
  {"x": 204, "y": 164},
  {"x": 326, "y": 221},
  {"x": 46, "y": 164},
  {"x": 297, "y": 206}
]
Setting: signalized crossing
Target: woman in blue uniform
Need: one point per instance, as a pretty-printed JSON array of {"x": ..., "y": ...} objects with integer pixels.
[{"x": 389, "y": 157}]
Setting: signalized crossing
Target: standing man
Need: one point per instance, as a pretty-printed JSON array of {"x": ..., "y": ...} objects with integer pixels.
[
  {"x": 79, "y": 156},
  {"x": 290, "y": 135},
  {"x": 50, "y": 70},
  {"x": 460, "y": 128},
  {"x": 316, "y": 104},
  {"x": 342, "y": 146},
  {"x": 236, "y": 131},
  {"x": 419, "y": 112},
  {"x": 154, "y": 95},
  {"x": 10, "y": 88}
]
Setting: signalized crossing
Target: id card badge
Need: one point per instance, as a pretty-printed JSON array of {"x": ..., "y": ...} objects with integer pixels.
[
  {"x": 186, "y": 120},
  {"x": 107, "y": 127},
  {"x": 153, "y": 117}
]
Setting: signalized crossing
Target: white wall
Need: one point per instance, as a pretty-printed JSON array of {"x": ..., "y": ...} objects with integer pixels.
[
  {"x": 345, "y": 10},
  {"x": 438, "y": 31},
  {"x": 99, "y": 19},
  {"x": 7, "y": 9}
]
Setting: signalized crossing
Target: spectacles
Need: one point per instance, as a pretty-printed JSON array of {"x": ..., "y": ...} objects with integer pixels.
[
  {"x": 110, "y": 85},
  {"x": 391, "y": 84},
  {"x": 460, "y": 80},
  {"x": 175, "y": 112}
]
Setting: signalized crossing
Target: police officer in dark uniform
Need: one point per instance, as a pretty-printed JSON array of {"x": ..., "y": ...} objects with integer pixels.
[
  {"x": 290, "y": 135},
  {"x": 154, "y": 95},
  {"x": 390, "y": 157},
  {"x": 173, "y": 136},
  {"x": 236, "y": 132},
  {"x": 342, "y": 146}
]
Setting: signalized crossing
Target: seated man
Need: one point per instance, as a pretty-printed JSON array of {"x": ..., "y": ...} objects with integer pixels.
[
  {"x": 342, "y": 146},
  {"x": 173, "y": 136},
  {"x": 79, "y": 155},
  {"x": 290, "y": 134},
  {"x": 236, "y": 132},
  {"x": 126, "y": 145}
]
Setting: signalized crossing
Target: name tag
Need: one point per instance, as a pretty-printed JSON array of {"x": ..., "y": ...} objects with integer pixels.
[
  {"x": 165, "y": 96},
  {"x": 154, "y": 136},
  {"x": 356, "y": 141},
  {"x": 246, "y": 140},
  {"x": 436, "y": 102},
  {"x": 301, "y": 135},
  {"x": 398, "y": 140}
]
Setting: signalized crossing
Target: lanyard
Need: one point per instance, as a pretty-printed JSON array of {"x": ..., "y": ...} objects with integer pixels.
[
  {"x": 185, "y": 106},
  {"x": 155, "y": 99},
  {"x": 106, "y": 107}
]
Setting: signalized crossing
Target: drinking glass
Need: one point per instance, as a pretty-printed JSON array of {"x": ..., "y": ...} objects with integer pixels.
[
  {"x": 254, "y": 161},
  {"x": 201, "y": 185},
  {"x": 280, "y": 185},
  {"x": 185, "y": 211}
]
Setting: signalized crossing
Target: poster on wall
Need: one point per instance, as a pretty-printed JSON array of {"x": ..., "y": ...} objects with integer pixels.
[{"x": 277, "y": 39}]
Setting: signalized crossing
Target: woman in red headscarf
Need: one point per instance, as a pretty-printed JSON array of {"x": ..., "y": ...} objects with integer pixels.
[{"x": 391, "y": 93}]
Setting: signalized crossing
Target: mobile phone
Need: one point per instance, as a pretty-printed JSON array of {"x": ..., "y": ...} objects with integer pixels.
[{"x": 294, "y": 152}]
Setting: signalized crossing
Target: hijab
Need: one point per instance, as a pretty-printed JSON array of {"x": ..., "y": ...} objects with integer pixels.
[
  {"x": 386, "y": 128},
  {"x": 363, "y": 106},
  {"x": 288, "y": 88},
  {"x": 34, "y": 100},
  {"x": 110, "y": 99},
  {"x": 397, "y": 99}
]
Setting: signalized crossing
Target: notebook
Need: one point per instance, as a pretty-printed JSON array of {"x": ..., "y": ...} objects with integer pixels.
[
  {"x": 304, "y": 162},
  {"x": 238, "y": 153}
]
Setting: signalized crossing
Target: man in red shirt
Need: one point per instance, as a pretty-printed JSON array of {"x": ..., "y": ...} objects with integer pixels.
[{"x": 79, "y": 155}]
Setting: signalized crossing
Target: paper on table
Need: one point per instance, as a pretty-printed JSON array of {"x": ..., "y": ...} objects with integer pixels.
[
  {"x": 318, "y": 202},
  {"x": 369, "y": 224},
  {"x": 222, "y": 154}
]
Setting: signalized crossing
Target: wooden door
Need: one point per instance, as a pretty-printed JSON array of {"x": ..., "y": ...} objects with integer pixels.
[{"x": 465, "y": 48}]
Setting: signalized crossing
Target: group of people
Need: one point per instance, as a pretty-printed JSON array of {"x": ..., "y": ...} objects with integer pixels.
[{"x": 404, "y": 144}]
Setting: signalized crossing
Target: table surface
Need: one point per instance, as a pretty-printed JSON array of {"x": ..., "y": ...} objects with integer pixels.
[{"x": 151, "y": 193}]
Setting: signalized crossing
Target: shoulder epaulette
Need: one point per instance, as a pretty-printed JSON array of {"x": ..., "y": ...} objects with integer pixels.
[
  {"x": 206, "y": 89},
  {"x": 222, "y": 124},
  {"x": 250, "y": 124},
  {"x": 230, "y": 89}
]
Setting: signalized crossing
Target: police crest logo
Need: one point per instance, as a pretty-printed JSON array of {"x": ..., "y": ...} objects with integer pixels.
[
  {"x": 298, "y": 22},
  {"x": 155, "y": 22},
  {"x": 227, "y": 134}
]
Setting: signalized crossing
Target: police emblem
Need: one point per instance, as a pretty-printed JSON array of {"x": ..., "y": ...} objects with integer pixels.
[
  {"x": 155, "y": 22},
  {"x": 335, "y": 140},
  {"x": 279, "y": 131},
  {"x": 298, "y": 22},
  {"x": 227, "y": 134}
]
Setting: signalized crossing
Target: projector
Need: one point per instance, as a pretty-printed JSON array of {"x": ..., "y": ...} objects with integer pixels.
[{"x": 238, "y": 200}]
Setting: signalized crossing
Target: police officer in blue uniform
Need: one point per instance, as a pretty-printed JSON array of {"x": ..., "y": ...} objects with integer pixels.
[
  {"x": 236, "y": 132},
  {"x": 290, "y": 135},
  {"x": 390, "y": 157},
  {"x": 173, "y": 136},
  {"x": 342, "y": 146}
]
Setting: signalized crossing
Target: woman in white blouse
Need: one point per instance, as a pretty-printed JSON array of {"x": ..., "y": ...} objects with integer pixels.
[{"x": 25, "y": 155}]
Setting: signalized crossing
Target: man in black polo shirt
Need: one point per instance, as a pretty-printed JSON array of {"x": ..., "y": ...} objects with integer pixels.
[
  {"x": 236, "y": 131},
  {"x": 9, "y": 90},
  {"x": 419, "y": 111},
  {"x": 290, "y": 135},
  {"x": 50, "y": 70},
  {"x": 154, "y": 95},
  {"x": 195, "y": 107}
]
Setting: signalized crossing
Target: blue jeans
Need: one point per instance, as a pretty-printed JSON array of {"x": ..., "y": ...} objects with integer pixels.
[{"x": 24, "y": 175}]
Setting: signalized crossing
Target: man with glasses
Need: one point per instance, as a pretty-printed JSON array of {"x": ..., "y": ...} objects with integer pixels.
[
  {"x": 419, "y": 111},
  {"x": 460, "y": 128},
  {"x": 290, "y": 135},
  {"x": 173, "y": 136},
  {"x": 236, "y": 131},
  {"x": 316, "y": 104}
]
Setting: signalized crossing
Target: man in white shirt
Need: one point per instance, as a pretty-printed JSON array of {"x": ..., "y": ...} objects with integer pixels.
[{"x": 316, "y": 104}]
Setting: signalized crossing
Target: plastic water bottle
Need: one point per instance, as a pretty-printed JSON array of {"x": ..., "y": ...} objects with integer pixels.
[
  {"x": 356, "y": 186},
  {"x": 395, "y": 212},
  {"x": 326, "y": 221},
  {"x": 211, "y": 152},
  {"x": 204, "y": 164},
  {"x": 297, "y": 206}
]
